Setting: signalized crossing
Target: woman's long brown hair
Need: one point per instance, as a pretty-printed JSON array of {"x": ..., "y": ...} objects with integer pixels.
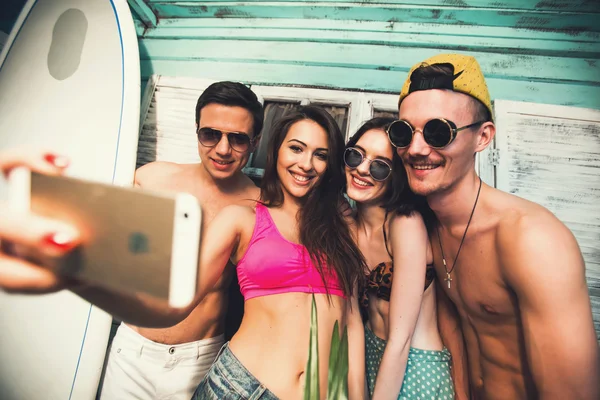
[{"x": 323, "y": 230}]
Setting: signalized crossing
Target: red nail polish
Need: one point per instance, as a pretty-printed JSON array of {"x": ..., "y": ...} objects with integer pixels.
[
  {"x": 56, "y": 160},
  {"x": 60, "y": 241}
]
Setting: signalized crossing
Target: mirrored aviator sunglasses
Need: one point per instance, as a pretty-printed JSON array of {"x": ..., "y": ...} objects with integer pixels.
[
  {"x": 378, "y": 169},
  {"x": 437, "y": 133},
  {"x": 210, "y": 137}
]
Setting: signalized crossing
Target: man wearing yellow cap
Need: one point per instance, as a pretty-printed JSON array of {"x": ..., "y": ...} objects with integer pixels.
[{"x": 511, "y": 274}]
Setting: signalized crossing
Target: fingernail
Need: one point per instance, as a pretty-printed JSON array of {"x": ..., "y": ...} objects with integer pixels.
[
  {"x": 59, "y": 240},
  {"x": 56, "y": 160}
]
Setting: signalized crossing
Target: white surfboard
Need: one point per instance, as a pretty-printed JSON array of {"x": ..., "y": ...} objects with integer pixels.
[{"x": 69, "y": 81}]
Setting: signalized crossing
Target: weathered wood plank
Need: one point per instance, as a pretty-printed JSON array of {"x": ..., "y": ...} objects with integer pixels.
[
  {"x": 140, "y": 28},
  {"x": 544, "y": 5},
  {"x": 144, "y": 12},
  {"x": 372, "y": 57},
  {"x": 572, "y": 21},
  {"x": 415, "y": 39},
  {"x": 431, "y": 28},
  {"x": 362, "y": 79}
]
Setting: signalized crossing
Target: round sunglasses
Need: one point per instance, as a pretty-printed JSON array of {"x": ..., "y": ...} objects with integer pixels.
[
  {"x": 379, "y": 170},
  {"x": 437, "y": 133},
  {"x": 210, "y": 137}
]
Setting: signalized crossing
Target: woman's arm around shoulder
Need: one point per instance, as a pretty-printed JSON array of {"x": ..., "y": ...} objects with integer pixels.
[{"x": 356, "y": 349}]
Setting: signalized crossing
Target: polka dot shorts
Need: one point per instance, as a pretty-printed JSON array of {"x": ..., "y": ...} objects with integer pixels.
[{"x": 427, "y": 373}]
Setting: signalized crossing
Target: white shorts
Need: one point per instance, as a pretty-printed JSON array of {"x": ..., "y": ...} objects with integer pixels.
[{"x": 139, "y": 368}]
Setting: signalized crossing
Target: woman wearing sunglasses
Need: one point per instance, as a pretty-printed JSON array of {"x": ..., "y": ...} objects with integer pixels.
[{"x": 405, "y": 357}]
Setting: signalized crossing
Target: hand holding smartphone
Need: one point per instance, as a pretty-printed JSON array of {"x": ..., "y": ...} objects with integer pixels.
[{"x": 132, "y": 240}]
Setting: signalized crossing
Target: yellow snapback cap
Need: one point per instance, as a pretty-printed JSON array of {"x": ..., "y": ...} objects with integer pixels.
[{"x": 467, "y": 78}]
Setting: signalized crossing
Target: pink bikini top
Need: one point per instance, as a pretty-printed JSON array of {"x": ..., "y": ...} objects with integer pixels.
[{"x": 274, "y": 265}]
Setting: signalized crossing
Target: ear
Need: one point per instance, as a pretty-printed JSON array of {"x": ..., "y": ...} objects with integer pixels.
[{"x": 486, "y": 134}]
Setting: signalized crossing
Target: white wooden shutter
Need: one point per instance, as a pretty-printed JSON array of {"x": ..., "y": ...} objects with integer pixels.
[
  {"x": 168, "y": 126},
  {"x": 551, "y": 155}
]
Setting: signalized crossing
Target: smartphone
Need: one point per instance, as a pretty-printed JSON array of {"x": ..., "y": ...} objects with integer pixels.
[{"x": 132, "y": 239}]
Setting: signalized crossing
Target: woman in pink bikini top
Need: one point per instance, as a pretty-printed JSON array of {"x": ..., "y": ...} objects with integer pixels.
[{"x": 294, "y": 244}]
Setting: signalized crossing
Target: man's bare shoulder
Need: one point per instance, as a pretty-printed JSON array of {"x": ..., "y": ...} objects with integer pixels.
[
  {"x": 529, "y": 236},
  {"x": 159, "y": 172},
  {"x": 249, "y": 187},
  {"x": 520, "y": 219}
]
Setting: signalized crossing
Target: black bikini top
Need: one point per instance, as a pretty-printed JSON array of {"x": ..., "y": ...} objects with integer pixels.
[{"x": 379, "y": 280}]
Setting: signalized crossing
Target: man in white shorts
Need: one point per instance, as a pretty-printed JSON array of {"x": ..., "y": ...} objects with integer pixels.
[{"x": 147, "y": 363}]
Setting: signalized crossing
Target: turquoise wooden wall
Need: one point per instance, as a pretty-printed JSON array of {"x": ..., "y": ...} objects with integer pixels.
[{"x": 540, "y": 51}]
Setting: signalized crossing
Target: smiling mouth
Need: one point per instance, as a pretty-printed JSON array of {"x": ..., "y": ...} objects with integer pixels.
[
  {"x": 301, "y": 178},
  {"x": 360, "y": 182},
  {"x": 422, "y": 167},
  {"x": 221, "y": 162}
]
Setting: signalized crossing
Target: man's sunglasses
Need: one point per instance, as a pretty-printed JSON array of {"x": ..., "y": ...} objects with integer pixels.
[
  {"x": 210, "y": 137},
  {"x": 378, "y": 169},
  {"x": 438, "y": 132}
]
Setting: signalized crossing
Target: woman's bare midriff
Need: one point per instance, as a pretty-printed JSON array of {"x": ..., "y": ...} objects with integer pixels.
[
  {"x": 426, "y": 335},
  {"x": 272, "y": 342}
]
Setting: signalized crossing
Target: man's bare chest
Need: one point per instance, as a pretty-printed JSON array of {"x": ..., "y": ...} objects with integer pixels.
[
  {"x": 212, "y": 205},
  {"x": 475, "y": 282}
]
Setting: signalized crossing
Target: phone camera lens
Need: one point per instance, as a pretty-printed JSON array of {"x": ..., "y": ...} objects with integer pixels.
[{"x": 185, "y": 215}]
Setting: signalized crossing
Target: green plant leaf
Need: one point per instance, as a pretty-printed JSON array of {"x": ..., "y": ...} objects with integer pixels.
[
  {"x": 339, "y": 376},
  {"x": 311, "y": 383},
  {"x": 333, "y": 359}
]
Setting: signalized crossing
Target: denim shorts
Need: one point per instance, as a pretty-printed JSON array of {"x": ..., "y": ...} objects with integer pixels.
[{"x": 228, "y": 379}]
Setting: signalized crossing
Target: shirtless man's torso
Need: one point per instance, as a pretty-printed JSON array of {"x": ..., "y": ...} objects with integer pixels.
[
  {"x": 147, "y": 363},
  {"x": 512, "y": 277},
  {"x": 207, "y": 319}
]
